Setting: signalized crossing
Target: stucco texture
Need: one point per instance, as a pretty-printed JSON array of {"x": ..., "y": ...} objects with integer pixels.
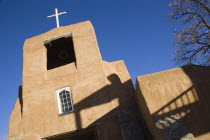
[
  {"x": 99, "y": 89},
  {"x": 175, "y": 103}
]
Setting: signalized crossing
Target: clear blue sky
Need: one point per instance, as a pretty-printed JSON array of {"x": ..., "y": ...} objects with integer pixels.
[{"x": 136, "y": 31}]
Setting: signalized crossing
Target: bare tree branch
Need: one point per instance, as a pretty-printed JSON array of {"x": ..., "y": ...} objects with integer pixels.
[{"x": 193, "y": 41}]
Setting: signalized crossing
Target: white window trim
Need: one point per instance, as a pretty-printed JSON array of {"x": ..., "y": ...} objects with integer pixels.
[{"x": 59, "y": 101}]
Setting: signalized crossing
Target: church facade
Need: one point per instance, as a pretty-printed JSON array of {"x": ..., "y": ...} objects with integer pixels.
[{"x": 69, "y": 92}]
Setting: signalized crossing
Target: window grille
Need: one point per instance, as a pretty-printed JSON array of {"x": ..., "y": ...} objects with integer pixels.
[{"x": 64, "y": 100}]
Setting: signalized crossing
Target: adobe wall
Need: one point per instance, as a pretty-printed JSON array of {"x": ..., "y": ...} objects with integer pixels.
[
  {"x": 85, "y": 77},
  {"x": 175, "y": 103},
  {"x": 99, "y": 89},
  {"x": 15, "y": 124}
]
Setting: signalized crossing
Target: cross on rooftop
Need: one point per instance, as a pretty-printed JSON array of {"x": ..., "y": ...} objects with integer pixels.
[{"x": 56, "y": 15}]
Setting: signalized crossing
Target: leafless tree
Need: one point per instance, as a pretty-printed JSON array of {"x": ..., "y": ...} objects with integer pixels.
[{"x": 193, "y": 40}]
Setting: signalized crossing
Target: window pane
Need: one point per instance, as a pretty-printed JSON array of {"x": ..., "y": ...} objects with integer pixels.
[{"x": 65, "y": 100}]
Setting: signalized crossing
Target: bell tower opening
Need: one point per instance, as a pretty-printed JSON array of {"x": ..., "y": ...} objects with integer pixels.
[{"x": 60, "y": 51}]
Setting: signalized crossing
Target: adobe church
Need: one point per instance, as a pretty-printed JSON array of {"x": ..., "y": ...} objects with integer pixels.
[{"x": 69, "y": 93}]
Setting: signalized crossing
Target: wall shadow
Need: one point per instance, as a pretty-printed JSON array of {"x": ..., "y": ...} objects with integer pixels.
[
  {"x": 198, "y": 121},
  {"x": 124, "y": 92},
  {"x": 188, "y": 113},
  {"x": 99, "y": 97},
  {"x": 20, "y": 99},
  {"x": 124, "y": 113}
]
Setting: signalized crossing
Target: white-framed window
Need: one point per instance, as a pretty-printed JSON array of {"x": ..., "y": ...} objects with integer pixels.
[{"x": 65, "y": 104}]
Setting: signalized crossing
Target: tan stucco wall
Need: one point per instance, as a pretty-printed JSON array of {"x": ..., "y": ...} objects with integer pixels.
[
  {"x": 182, "y": 92},
  {"x": 99, "y": 89},
  {"x": 15, "y": 124}
]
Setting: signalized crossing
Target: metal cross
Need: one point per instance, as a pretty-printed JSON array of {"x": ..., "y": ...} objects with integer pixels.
[{"x": 56, "y": 15}]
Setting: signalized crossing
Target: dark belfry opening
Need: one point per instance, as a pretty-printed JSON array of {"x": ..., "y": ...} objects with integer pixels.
[{"x": 60, "y": 51}]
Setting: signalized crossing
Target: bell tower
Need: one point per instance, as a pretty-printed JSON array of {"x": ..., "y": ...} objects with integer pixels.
[{"x": 68, "y": 92}]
